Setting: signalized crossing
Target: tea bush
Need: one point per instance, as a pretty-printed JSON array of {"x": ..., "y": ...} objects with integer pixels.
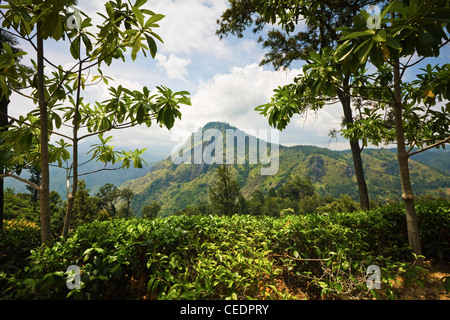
[
  {"x": 236, "y": 257},
  {"x": 18, "y": 238}
]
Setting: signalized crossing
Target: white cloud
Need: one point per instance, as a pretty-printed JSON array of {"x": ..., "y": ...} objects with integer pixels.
[
  {"x": 233, "y": 96},
  {"x": 192, "y": 50},
  {"x": 174, "y": 66},
  {"x": 189, "y": 25}
]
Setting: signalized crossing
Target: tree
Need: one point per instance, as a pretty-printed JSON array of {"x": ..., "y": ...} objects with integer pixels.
[
  {"x": 4, "y": 121},
  {"x": 58, "y": 96},
  {"x": 243, "y": 205},
  {"x": 85, "y": 207},
  {"x": 127, "y": 194},
  {"x": 271, "y": 207},
  {"x": 57, "y": 213},
  {"x": 224, "y": 192},
  {"x": 35, "y": 178},
  {"x": 150, "y": 211},
  {"x": 256, "y": 203},
  {"x": 321, "y": 19},
  {"x": 108, "y": 195},
  {"x": 3, "y": 127},
  {"x": 296, "y": 189},
  {"x": 407, "y": 29}
]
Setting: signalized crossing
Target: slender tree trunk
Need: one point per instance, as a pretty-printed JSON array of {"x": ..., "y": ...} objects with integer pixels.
[
  {"x": 402, "y": 155},
  {"x": 344, "y": 97},
  {"x": 71, "y": 196},
  {"x": 3, "y": 123},
  {"x": 44, "y": 188}
]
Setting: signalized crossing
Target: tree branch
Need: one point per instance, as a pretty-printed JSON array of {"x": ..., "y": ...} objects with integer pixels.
[
  {"x": 431, "y": 146},
  {"x": 8, "y": 174},
  {"x": 99, "y": 170},
  {"x": 35, "y": 126}
]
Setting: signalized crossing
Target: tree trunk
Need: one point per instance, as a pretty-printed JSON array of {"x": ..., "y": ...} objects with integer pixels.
[
  {"x": 44, "y": 188},
  {"x": 344, "y": 97},
  {"x": 76, "y": 121},
  {"x": 70, "y": 202},
  {"x": 71, "y": 196},
  {"x": 359, "y": 172},
  {"x": 402, "y": 155},
  {"x": 3, "y": 123}
]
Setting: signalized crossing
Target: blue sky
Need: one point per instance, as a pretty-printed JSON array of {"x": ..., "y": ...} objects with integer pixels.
[{"x": 223, "y": 77}]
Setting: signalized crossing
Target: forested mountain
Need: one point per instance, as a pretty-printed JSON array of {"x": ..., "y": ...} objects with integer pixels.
[
  {"x": 177, "y": 186},
  {"x": 93, "y": 181}
]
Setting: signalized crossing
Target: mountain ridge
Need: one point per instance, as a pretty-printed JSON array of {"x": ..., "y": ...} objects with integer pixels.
[{"x": 177, "y": 186}]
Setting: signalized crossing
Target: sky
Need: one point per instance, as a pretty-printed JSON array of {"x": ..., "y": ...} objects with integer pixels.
[{"x": 223, "y": 77}]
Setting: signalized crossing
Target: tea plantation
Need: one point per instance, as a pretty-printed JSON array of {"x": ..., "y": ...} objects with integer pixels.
[{"x": 316, "y": 256}]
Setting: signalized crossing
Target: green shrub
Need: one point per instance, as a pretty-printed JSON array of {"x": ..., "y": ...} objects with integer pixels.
[
  {"x": 18, "y": 238},
  {"x": 230, "y": 257}
]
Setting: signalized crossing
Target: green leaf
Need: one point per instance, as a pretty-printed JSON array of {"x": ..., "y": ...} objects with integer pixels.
[
  {"x": 344, "y": 52},
  {"x": 87, "y": 42},
  {"x": 136, "y": 48},
  {"x": 109, "y": 10},
  {"x": 153, "y": 19},
  {"x": 380, "y": 36},
  {"x": 74, "y": 48},
  {"x": 151, "y": 45},
  {"x": 393, "y": 43},
  {"x": 446, "y": 282},
  {"x": 168, "y": 119},
  {"x": 157, "y": 36},
  {"x": 57, "y": 34},
  {"x": 387, "y": 9},
  {"x": 140, "y": 3},
  {"x": 139, "y": 16},
  {"x": 358, "y": 34},
  {"x": 363, "y": 50}
]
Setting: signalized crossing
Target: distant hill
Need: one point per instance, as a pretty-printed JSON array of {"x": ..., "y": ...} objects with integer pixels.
[
  {"x": 93, "y": 181},
  {"x": 176, "y": 186}
]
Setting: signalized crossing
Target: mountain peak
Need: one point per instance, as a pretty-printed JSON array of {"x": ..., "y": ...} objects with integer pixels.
[{"x": 222, "y": 126}]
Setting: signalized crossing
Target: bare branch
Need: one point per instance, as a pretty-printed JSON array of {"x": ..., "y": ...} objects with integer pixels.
[
  {"x": 99, "y": 170},
  {"x": 8, "y": 174},
  {"x": 431, "y": 146}
]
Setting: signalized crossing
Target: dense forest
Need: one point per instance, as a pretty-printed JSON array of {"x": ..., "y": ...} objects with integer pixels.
[{"x": 367, "y": 223}]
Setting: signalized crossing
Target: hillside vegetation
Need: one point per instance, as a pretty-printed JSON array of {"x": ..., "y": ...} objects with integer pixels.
[
  {"x": 314, "y": 256},
  {"x": 332, "y": 173}
]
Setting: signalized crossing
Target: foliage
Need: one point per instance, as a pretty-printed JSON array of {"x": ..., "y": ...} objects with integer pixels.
[
  {"x": 224, "y": 192},
  {"x": 232, "y": 257},
  {"x": 331, "y": 173},
  {"x": 123, "y": 26},
  {"x": 19, "y": 206},
  {"x": 127, "y": 195},
  {"x": 85, "y": 208},
  {"x": 150, "y": 211},
  {"x": 108, "y": 195},
  {"x": 18, "y": 237}
]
